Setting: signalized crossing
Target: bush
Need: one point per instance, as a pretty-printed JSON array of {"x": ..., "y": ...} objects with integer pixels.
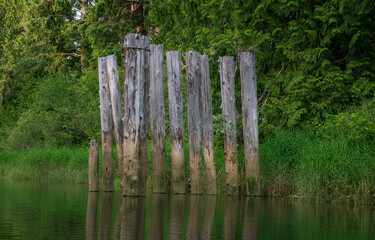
[{"x": 63, "y": 111}]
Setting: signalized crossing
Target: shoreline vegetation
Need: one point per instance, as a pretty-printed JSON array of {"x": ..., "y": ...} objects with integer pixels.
[{"x": 317, "y": 164}]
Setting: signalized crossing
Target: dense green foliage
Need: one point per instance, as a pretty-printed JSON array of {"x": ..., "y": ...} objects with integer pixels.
[{"x": 314, "y": 58}]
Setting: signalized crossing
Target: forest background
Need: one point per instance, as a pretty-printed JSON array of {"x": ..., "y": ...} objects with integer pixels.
[{"x": 315, "y": 69}]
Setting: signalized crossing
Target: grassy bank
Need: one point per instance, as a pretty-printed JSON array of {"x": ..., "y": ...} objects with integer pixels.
[
  {"x": 308, "y": 164},
  {"x": 53, "y": 164},
  {"x": 313, "y": 165}
]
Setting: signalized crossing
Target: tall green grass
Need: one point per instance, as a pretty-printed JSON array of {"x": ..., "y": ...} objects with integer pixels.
[
  {"x": 52, "y": 164},
  {"x": 324, "y": 167}
]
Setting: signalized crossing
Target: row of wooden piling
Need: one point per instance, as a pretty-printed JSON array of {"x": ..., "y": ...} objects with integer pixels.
[{"x": 143, "y": 101}]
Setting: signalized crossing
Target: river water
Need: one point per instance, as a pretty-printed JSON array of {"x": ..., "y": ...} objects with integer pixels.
[{"x": 60, "y": 211}]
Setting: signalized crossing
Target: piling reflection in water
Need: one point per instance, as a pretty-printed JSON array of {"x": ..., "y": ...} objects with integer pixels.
[
  {"x": 133, "y": 216},
  {"x": 176, "y": 221},
  {"x": 157, "y": 216},
  {"x": 194, "y": 217},
  {"x": 251, "y": 219},
  {"x": 209, "y": 216},
  {"x": 230, "y": 217},
  {"x": 92, "y": 209},
  {"x": 106, "y": 215},
  {"x": 222, "y": 218}
]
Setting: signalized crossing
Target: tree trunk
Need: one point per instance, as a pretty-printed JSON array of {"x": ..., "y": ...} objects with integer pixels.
[
  {"x": 176, "y": 121},
  {"x": 228, "y": 106},
  {"x": 135, "y": 124},
  {"x": 94, "y": 166},
  {"x": 84, "y": 5},
  {"x": 193, "y": 79},
  {"x": 157, "y": 113},
  {"x": 106, "y": 125},
  {"x": 250, "y": 122},
  {"x": 208, "y": 129},
  {"x": 114, "y": 87}
]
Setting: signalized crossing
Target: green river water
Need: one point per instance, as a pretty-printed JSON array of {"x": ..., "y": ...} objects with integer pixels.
[{"x": 61, "y": 211}]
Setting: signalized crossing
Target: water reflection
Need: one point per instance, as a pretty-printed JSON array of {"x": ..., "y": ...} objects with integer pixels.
[
  {"x": 157, "y": 216},
  {"x": 133, "y": 216},
  {"x": 251, "y": 218},
  {"x": 230, "y": 217},
  {"x": 194, "y": 217},
  {"x": 172, "y": 217},
  {"x": 92, "y": 209},
  {"x": 106, "y": 215},
  {"x": 209, "y": 216},
  {"x": 31, "y": 211},
  {"x": 176, "y": 221}
]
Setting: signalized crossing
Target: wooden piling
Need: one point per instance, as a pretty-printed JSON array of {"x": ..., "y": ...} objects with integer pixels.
[
  {"x": 145, "y": 120},
  {"x": 106, "y": 126},
  {"x": 176, "y": 121},
  {"x": 208, "y": 129},
  {"x": 157, "y": 117},
  {"x": 135, "y": 124},
  {"x": 94, "y": 166},
  {"x": 115, "y": 92},
  {"x": 193, "y": 79},
  {"x": 250, "y": 122},
  {"x": 226, "y": 69}
]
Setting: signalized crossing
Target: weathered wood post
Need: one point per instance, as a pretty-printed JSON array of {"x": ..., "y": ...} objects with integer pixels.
[
  {"x": 145, "y": 120},
  {"x": 136, "y": 76},
  {"x": 250, "y": 122},
  {"x": 106, "y": 125},
  {"x": 193, "y": 79},
  {"x": 94, "y": 166},
  {"x": 115, "y": 92},
  {"x": 208, "y": 129},
  {"x": 226, "y": 68},
  {"x": 157, "y": 117},
  {"x": 176, "y": 121}
]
